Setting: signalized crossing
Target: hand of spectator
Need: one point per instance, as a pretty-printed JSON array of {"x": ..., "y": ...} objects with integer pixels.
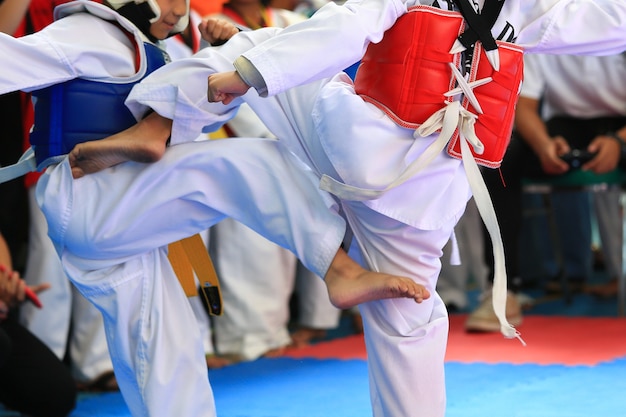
[
  {"x": 4, "y": 310},
  {"x": 608, "y": 154},
  {"x": 225, "y": 87},
  {"x": 216, "y": 31},
  {"x": 550, "y": 156},
  {"x": 13, "y": 290}
]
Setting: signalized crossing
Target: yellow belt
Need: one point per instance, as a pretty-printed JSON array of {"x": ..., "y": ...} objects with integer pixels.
[{"x": 190, "y": 255}]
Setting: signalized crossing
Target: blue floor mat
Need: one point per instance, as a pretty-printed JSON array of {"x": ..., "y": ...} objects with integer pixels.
[
  {"x": 536, "y": 391},
  {"x": 333, "y": 388}
]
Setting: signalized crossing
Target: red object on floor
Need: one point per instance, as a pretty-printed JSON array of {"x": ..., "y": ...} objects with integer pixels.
[
  {"x": 551, "y": 340},
  {"x": 350, "y": 347}
]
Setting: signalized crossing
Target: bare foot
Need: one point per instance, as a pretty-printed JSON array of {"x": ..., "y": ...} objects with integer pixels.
[
  {"x": 105, "y": 382},
  {"x": 276, "y": 352},
  {"x": 357, "y": 322},
  {"x": 349, "y": 284},
  {"x": 305, "y": 335},
  {"x": 143, "y": 142},
  {"x": 215, "y": 361}
]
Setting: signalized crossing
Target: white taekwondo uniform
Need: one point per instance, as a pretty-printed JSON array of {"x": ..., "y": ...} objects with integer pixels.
[
  {"x": 340, "y": 135},
  {"x": 151, "y": 330}
]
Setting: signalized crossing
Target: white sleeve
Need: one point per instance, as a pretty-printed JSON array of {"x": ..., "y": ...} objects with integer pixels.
[
  {"x": 337, "y": 36},
  {"x": 178, "y": 91},
  {"x": 580, "y": 27},
  {"x": 30, "y": 63},
  {"x": 534, "y": 82},
  {"x": 80, "y": 45},
  {"x": 331, "y": 40}
]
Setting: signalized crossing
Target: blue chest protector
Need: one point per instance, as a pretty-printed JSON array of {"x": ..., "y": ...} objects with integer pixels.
[{"x": 81, "y": 111}]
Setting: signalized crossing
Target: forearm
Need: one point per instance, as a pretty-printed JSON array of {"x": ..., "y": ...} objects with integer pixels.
[
  {"x": 530, "y": 126},
  {"x": 5, "y": 254},
  {"x": 180, "y": 96},
  {"x": 8, "y": 282},
  {"x": 331, "y": 40},
  {"x": 178, "y": 91}
]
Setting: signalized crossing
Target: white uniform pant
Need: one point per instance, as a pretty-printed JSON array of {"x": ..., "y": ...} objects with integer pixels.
[
  {"x": 64, "y": 308},
  {"x": 406, "y": 341},
  {"x": 607, "y": 207},
  {"x": 454, "y": 280},
  {"x": 314, "y": 308},
  {"x": 111, "y": 230},
  {"x": 401, "y": 233},
  {"x": 257, "y": 279}
]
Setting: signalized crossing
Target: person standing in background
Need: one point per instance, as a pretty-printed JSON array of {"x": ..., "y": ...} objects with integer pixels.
[
  {"x": 457, "y": 274},
  {"x": 257, "y": 276},
  {"x": 183, "y": 45},
  {"x": 33, "y": 381},
  {"x": 560, "y": 110},
  {"x": 15, "y": 126}
]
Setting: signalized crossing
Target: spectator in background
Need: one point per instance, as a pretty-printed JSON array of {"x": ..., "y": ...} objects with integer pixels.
[
  {"x": 464, "y": 264},
  {"x": 560, "y": 110},
  {"x": 183, "y": 45},
  {"x": 15, "y": 127},
  {"x": 33, "y": 380},
  {"x": 257, "y": 276}
]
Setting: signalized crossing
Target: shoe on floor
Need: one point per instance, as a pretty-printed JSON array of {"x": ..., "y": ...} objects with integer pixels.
[
  {"x": 605, "y": 290},
  {"x": 105, "y": 382},
  {"x": 484, "y": 319},
  {"x": 214, "y": 361},
  {"x": 304, "y": 336},
  {"x": 574, "y": 286}
]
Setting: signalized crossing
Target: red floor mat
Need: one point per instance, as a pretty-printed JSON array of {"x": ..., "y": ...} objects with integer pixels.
[{"x": 551, "y": 340}]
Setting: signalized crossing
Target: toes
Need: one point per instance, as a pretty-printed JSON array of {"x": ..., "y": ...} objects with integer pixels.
[{"x": 77, "y": 172}]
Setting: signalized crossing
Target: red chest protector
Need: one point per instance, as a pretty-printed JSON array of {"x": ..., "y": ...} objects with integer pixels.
[{"x": 408, "y": 73}]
